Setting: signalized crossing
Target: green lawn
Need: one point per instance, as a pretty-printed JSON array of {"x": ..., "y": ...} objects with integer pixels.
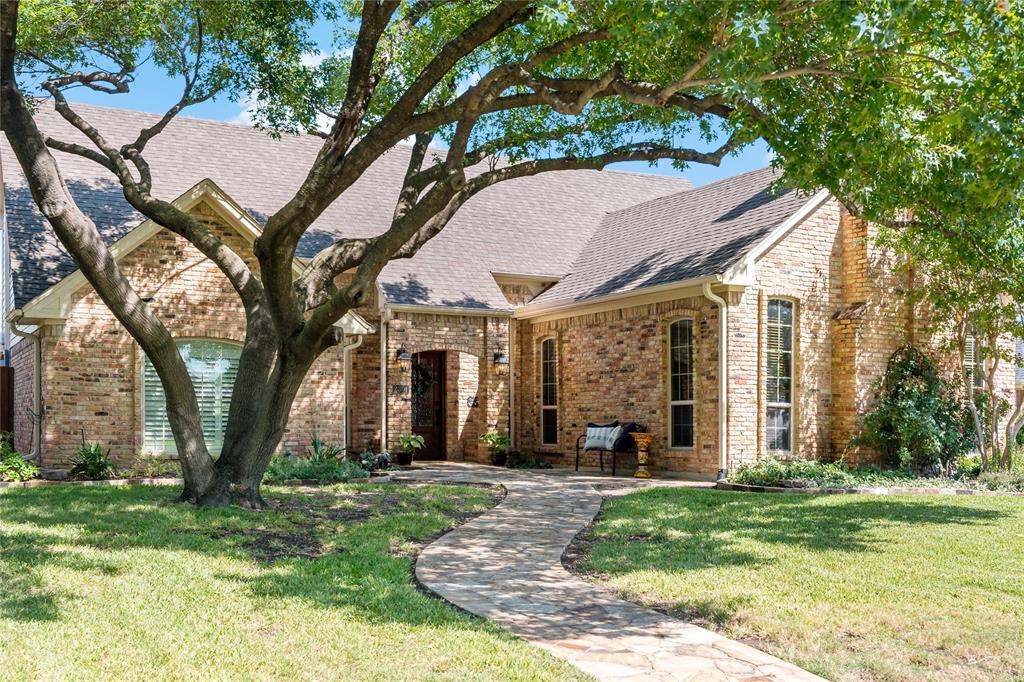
[
  {"x": 124, "y": 583},
  {"x": 849, "y": 587}
]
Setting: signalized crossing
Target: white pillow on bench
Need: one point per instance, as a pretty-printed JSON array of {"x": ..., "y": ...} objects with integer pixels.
[{"x": 602, "y": 437}]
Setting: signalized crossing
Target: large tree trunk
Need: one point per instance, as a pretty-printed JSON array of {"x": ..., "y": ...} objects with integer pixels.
[{"x": 255, "y": 429}]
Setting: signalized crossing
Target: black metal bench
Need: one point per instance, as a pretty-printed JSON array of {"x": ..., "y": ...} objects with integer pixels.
[{"x": 624, "y": 445}]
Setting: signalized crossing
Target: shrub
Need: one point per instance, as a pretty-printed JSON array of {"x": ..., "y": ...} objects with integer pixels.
[
  {"x": 323, "y": 451},
  {"x": 150, "y": 466},
  {"x": 917, "y": 421},
  {"x": 288, "y": 467},
  {"x": 13, "y": 466},
  {"x": 1001, "y": 481},
  {"x": 800, "y": 473},
  {"x": 519, "y": 460},
  {"x": 375, "y": 461},
  {"x": 90, "y": 462}
]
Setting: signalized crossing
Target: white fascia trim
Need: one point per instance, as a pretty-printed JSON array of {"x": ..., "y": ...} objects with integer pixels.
[
  {"x": 743, "y": 272},
  {"x": 53, "y": 305},
  {"x": 536, "y": 310},
  {"x": 444, "y": 310}
]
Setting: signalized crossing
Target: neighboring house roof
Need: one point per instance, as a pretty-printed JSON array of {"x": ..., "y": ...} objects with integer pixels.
[
  {"x": 684, "y": 236},
  {"x": 527, "y": 226}
]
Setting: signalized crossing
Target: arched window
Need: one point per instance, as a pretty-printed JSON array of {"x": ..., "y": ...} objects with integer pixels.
[
  {"x": 548, "y": 392},
  {"x": 213, "y": 366},
  {"x": 680, "y": 378},
  {"x": 779, "y": 417}
]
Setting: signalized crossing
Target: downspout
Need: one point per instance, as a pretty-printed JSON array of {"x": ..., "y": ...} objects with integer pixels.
[
  {"x": 512, "y": 382},
  {"x": 723, "y": 379},
  {"x": 346, "y": 361},
  {"x": 385, "y": 316},
  {"x": 37, "y": 385}
]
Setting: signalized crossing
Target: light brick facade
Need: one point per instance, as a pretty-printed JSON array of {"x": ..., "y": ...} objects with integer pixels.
[{"x": 851, "y": 313}]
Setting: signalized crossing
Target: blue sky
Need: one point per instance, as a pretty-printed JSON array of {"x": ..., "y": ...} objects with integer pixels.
[{"x": 154, "y": 92}]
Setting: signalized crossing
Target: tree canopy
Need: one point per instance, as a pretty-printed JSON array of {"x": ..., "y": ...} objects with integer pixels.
[{"x": 897, "y": 107}]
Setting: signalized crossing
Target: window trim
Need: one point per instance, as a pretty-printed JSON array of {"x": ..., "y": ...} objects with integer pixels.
[
  {"x": 668, "y": 383},
  {"x": 792, "y": 404},
  {"x": 542, "y": 408},
  {"x": 143, "y": 358}
]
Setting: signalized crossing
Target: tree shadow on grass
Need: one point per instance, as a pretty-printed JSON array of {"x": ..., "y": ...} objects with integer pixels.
[
  {"x": 362, "y": 568},
  {"x": 692, "y": 530}
]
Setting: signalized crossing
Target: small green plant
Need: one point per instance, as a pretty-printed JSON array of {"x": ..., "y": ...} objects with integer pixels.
[
  {"x": 289, "y": 468},
  {"x": 409, "y": 444},
  {"x": 91, "y": 462},
  {"x": 324, "y": 451},
  {"x": 13, "y": 466},
  {"x": 497, "y": 442},
  {"x": 375, "y": 461}
]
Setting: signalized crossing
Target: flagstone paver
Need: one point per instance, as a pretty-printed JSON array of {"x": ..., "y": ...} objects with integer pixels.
[{"x": 506, "y": 566}]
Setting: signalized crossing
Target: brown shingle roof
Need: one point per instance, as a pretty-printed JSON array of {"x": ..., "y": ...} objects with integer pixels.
[
  {"x": 683, "y": 236},
  {"x": 530, "y": 226}
]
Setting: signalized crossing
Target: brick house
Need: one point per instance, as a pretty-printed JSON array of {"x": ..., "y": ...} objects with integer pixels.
[{"x": 733, "y": 320}]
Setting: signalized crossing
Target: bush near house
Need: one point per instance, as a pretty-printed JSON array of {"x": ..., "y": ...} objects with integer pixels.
[
  {"x": 13, "y": 466},
  {"x": 91, "y": 462},
  {"x": 290, "y": 468},
  {"x": 918, "y": 421}
]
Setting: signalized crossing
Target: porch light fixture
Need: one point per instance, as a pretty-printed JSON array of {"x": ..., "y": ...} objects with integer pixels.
[
  {"x": 500, "y": 364},
  {"x": 404, "y": 359}
]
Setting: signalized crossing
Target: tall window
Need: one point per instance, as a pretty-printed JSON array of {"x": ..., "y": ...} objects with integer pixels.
[
  {"x": 680, "y": 374},
  {"x": 779, "y": 422},
  {"x": 213, "y": 366},
  {"x": 973, "y": 362},
  {"x": 548, "y": 392}
]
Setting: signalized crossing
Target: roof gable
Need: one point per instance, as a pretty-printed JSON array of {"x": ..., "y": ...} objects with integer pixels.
[
  {"x": 54, "y": 303},
  {"x": 682, "y": 237}
]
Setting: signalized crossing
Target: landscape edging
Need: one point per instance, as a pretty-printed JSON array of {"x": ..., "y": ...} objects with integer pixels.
[
  {"x": 874, "y": 490},
  {"x": 42, "y": 482}
]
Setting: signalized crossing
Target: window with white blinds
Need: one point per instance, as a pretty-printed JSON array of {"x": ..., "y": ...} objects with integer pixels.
[
  {"x": 680, "y": 397},
  {"x": 973, "y": 362},
  {"x": 213, "y": 366},
  {"x": 779, "y": 417},
  {"x": 548, "y": 392}
]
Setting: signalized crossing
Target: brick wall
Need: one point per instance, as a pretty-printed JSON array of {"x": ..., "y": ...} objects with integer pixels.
[
  {"x": 23, "y": 363},
  {"x": 93, "y": 368},
  {"x": 805, "y": 267},
  {"x": 460, "y": 336},
  {"x": 613, "y": 365}
]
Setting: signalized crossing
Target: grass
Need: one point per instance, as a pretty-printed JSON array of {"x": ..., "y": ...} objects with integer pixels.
[
  {"x": 126, "y": 584},
  {"x": 848, "y": 587}
]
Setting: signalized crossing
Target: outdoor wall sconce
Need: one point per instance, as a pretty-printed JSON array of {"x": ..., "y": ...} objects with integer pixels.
[
  {"x": 500, "y": 364},
  {"x": 404, "y": 359},
  {"x": 472, "y": 401}
]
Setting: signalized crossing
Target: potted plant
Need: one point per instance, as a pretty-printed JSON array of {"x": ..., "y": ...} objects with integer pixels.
[
  {"x": 498, "y": 445},
  {"x": 409, "y": 443}
]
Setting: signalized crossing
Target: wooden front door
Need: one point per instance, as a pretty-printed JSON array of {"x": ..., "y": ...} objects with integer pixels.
[{"x": 428, "y": 371}]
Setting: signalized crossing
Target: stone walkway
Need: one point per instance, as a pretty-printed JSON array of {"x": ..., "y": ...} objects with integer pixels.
[{"x": 505, "y": 565}]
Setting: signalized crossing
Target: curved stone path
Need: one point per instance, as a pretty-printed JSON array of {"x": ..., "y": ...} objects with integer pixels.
[{"x": 506, "y": 565}]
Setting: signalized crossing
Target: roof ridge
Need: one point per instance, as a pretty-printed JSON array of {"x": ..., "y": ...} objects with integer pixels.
[{"x": 693, "y": 191}]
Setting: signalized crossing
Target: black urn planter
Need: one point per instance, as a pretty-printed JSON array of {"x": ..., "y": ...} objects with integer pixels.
[
  {"x": 499, "y": 459},
  {"x": 404, "y": 459}
]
